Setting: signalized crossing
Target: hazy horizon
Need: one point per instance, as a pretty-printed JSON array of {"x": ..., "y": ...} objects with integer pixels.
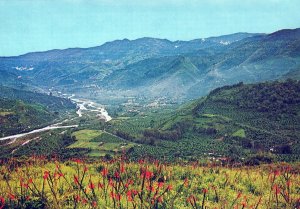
[{"x": 31, "y": 25}]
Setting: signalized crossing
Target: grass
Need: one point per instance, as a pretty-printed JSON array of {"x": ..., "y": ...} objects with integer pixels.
[
  {"x": 40, "y": 183},
  {"x": 99, "y": 142},
  {"x": 240, "y": 133}
]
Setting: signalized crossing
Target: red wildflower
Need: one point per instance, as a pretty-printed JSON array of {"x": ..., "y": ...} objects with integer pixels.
[
  {"x": 91, "y": 185},
  {"x": 77, "y": 198},
  {"x": 117, "y": 175},
  {"x": 238, "y": 195},
  {"x": 77, "y": 161},
  {"x": 186, "y": 182},
  {"x": 76, "y": 181},
  {"x": 100, "y": 186},
  {"x": 122, "y": 168},
  {"x": 276, "y": 173},
  {"x": 24, "y": 185},
  {"x": 11, "y": 196},
  {"x": 118, "y": 197},
  {"x": 111, "y": 183},
  {"x": 204, "y": 190},
  {"x": 148, "y": 174},
  {"x": 104, "y": 172},
  {"x": 134, "y": 192},
  {"x": 94, "y": 204},
  {"x": 85, "y": 168},
  {"x": 46, "y": 174},
  {"x": 30, "y": 181},
  {"x": 112, "y": 195},
  {"x": 84, "y": 201},
  {"x": 288, "y": 183},
  {"x": 2, "y": 202},
  {"x": 130, "y": 181},
  {"x": 276, "y": 189},
  {"x": 170, "y": 187},
  {"x": 160, "y": 199},
  {"x": 129, "y": 196},
  {"x": 160, "y": 184},
  {"x": 150, "y": 188}
]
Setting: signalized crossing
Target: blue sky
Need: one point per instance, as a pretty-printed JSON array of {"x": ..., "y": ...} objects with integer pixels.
[{"x": 38, "y": 25}]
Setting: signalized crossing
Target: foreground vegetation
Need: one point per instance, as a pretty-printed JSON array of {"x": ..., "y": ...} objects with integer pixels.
[{"x": 119, "y": 183}]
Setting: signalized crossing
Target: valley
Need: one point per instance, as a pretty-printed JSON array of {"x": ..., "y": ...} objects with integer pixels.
[
  {"x": 161, "y": 104},
  {"x": 220, "y": 97},
  {"x": 185, "y": 119}
]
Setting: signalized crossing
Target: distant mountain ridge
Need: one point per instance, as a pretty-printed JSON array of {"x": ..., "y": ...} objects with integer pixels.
[{"x": 157, "y": 67}]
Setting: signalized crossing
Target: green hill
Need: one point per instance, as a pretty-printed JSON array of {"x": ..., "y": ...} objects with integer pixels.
[
  {"x": 23, "y": 110},
  {"x": 235, "y": 121}
]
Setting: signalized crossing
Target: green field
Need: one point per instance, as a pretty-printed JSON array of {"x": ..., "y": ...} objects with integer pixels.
[
  {"x": 99, "y": 142},
  {"x": 240, "y": 133}
]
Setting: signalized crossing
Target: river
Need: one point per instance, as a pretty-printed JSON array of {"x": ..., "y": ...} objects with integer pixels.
[
  {"x": 51, "y": 127},
  {"x": 83, "y": 106}
]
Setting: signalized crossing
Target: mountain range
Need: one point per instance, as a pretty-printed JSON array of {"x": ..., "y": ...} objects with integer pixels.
[{"x": 154, "y": 68}]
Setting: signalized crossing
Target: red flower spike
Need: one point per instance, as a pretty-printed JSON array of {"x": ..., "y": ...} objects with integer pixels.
[
  {"x": 11, "y": 196},
  {"x": 118, "y": 197},
  {"x": 94, "y": 204},
  {"x": 160, "y": 184},
  {"x": 186, "y": 182},
  {"x": 46, "y": 175},
  {"x": 122, "y": 169},
  {"x": 84, "y": 201},
  {"x": 148, "y": 174},
  {"x": 276, "y": 189},
  {"x": 76, "y": 181},
  {"x": 129, "y": 196},
  {"x": 30, "y": 181},
  {"x": 276, "y": 173},
  {"x": 160, "y": 199},
  {"x": 288, "y": 183},
  {"x": 117, "y": 175},
  {"x": 100, "y": 186},
  {"x": 204, "y": 190},
  {"x": 77, "y": 198},
  {"x": 2, "y": 202},
  {"x": 104, "y": 172},
  {"x": 170, "y": 187},
  {"x": 112, "y": 195},
  {"x": 77, "y": 161},
  {"x": 91, "y": 185}
]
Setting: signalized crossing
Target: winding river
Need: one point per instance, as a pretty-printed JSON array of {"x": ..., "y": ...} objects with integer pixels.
[
  {"x": 83, "y": 106},
  {"x": 51, "y": 127}
]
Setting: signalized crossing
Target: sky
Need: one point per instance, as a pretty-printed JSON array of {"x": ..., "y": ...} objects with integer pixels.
[{"x": 39, "y": 25}]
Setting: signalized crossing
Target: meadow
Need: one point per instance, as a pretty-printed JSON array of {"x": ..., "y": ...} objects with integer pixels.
[{"x": 38, "y": 182}]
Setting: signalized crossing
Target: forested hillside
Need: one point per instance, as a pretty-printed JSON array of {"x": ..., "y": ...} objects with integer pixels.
[
  {"x": 238, "y": 121},
  {"x": 23, "y": 110}
]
